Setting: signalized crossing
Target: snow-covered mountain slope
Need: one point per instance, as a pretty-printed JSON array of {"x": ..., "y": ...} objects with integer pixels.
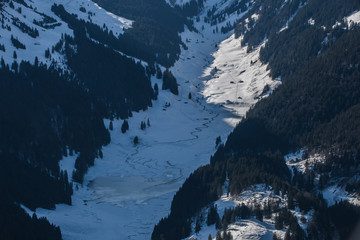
[
  {"x": 262, "y": 131},
  {"x": 39, "y": 29},
  {"x": 128, "y": 191},
  {"x": 335, "y": 191},
  {"x": 237, "y": 79},
  {"x": 250, "y": 228}
]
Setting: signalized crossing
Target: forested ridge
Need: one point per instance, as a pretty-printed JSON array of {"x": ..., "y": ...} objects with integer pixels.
[
  {"x": 154, "y": 35},
  {"x": 315, "y": 109},
  {"x": 50, "y": 113}
]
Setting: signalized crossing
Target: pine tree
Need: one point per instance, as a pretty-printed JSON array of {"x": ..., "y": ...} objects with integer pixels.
[
  {"x": 279, "y": 222},
  {"x": 197, "y": 225},
  {"x": 124, "y": 126},
  {"x": 217, "y": 141},
  {"x": 290, "y": 201},
  {"x": 258, "y": 213},
  {"x": 136, "y": 140},
  {"x": 169, "y": 82},
  {"x": 14, "y": 55},
  {"x": 156, "y": 91},
  {"x": 111, "y": 127},
  {"x": 189, "y": 96},
  {"x": 2, "y": 62},
  {"x": 158, "y": 72},
  {"x": 218, "y": 224},
  {"x": 142, "y": 125},
  {"x": 47, "y": 53}
]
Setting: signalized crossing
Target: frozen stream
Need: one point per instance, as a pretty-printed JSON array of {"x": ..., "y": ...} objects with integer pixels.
[{"x": 128, "y": 191}]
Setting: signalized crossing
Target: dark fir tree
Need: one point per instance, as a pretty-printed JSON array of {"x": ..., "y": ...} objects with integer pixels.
[
  {"x": 169, "y": 82},
  {"x": 136, "y": 140},
  {"x": 124, "y": 126}
]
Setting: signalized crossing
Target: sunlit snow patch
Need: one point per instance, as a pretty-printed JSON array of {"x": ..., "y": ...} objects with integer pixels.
[
  {"x": 92, "y": 12},
  {"x": 237, "y": 79},
  {"x": 354, "y": 18}
]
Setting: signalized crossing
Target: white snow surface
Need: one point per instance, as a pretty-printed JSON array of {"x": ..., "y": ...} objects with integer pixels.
[
  {"x": 49, "y": 37},
  {"x": 177, "y": 2},
  {"x": 334, "y": 194},
  {"x": 128, "y": 191},
  {"x": 97, "y": 15},
  {"x": 331, "y": 194},
  {"x": 246, "y": 228},
  {"x": 354, "y": 18},
  {"x": 236, "y": 79},
  {"x": 302, "y": 165}
]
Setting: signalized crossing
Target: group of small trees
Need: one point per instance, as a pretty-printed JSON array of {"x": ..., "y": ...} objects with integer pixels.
[
  {"x": 17, "y": 43},
  {"x": 169, "y": 82},
  {"x": 143, "y": 125}
]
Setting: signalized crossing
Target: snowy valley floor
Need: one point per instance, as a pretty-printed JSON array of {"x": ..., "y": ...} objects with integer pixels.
[{"x": 128, "y": 191}]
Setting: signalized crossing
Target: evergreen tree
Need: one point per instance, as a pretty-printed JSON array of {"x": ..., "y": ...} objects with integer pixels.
[
  {"x": 278, "y": 222},
  {"x": 136, "y": 140},
  {"x": 197, "y": 225},
  {"x": 142, "y": 125},
  {"x": 217, "y": 141},
  {"x": 169, "y": 82},
  {"x": 156, "y": 90},
  {"x": 290, "y": 201},
  {"x": 124, "y": 126},
  {"x": 258, "y": 213},
  {"x": 47, "y": 53},
  {"x": 14, "y": 55},
  {"x": 158, "y": 72},
  {"x": 218, "y": 224},
  {"x": 111, "y": 127}
]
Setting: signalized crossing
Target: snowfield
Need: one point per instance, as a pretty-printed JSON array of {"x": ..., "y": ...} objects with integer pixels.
[
  {"x": 332, "y": 194},
  {"x": 354, "y": 18},
  {"x": 128, "y": 191},
  {"x": 246, "y": 228},
  {"x": 236, "y": 79},
  {"x": 48, "y": 37}
]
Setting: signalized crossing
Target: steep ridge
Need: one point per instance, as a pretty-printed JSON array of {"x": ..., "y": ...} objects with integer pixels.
[
  {"x": 51, "y": 108},
  {"x": 313, "y": 51}
]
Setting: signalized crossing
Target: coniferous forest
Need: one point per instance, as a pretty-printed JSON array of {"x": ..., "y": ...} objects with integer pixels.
[
  {"x": 53, "y": 111},
  {"x": 315, "y": 108}
]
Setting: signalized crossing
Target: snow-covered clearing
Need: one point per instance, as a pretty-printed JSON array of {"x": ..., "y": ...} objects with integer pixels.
[
  {"x": 303, "y": 164},
  {"x": 335, "y": 194},
  {"x": 128, "y": 191},
  {"x": 332, "y": 194},
  {"x": 236, "y": 79},
  {"x": 354, "y": 18},
  {"x": 246, "y": 228}
]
